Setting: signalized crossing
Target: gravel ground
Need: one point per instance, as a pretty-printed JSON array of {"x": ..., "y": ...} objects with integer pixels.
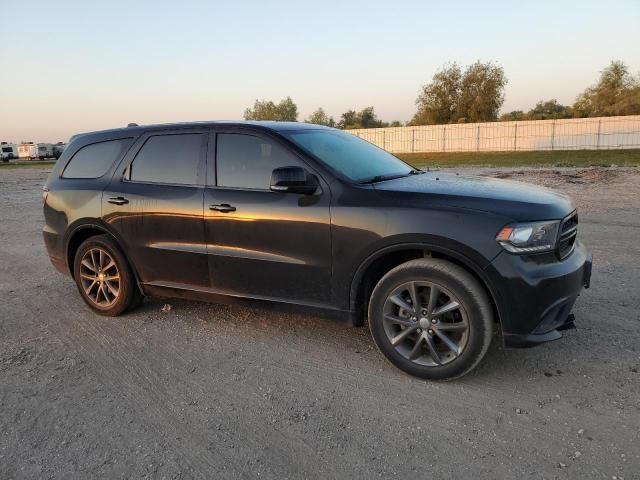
[{"x": 209, "y": 391}]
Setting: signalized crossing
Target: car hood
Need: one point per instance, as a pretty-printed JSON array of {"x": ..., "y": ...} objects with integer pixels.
[{"x": 516, "y": 200}]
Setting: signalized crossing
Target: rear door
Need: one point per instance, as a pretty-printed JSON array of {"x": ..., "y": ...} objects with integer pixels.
[
  {"x": 154, "y": 203},
  {"x": 263, "y": 243}
]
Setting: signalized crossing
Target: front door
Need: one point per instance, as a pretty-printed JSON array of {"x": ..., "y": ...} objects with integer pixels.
[
  {"x": 261, "y": 243},
  {"x": 154, "y": 204}
]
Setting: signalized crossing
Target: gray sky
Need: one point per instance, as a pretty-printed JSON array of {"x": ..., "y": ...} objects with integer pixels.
[{"x": 73, "y": 66}]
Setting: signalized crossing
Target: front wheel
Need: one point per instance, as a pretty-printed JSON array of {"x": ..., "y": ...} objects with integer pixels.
[{"x": 431, "y": 319}]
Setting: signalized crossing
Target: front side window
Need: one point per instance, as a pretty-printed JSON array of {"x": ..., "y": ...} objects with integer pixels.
[
  {"x": 169, "y": 159},
  {"x": 247, "y": 161},
  {"x": 93, "y": 161},
  {"x": 356, "y": 159}
]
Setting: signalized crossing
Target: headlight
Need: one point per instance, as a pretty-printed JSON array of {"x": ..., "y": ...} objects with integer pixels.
[{"x": 529, "y": 237}]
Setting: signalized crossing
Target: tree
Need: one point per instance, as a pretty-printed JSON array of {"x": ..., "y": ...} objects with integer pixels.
[
  {"x": 365, "y": 118},
  {"x": 549, "y": 110},
  {"x": 438, "y": 100},
  {"x": 368, "y": 119},
  {"x": 453, "y": 96},
  {"x": 349, "y": 120},
  {"x": 285, "y": 111},
  {"x": 481, "y": 93},
  {"x": 319, "y": 117},
  {"x": 512, "y": 116},
  {"x": 616, "y": 93}
]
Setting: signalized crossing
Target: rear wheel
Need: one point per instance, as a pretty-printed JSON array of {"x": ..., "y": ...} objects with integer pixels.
[
  {"x": 431, "y": 319},
  {"x": 104, "y": 278}
]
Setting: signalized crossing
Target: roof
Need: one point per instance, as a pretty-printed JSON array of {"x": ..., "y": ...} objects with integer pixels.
[{"x": 266, "y": 125}]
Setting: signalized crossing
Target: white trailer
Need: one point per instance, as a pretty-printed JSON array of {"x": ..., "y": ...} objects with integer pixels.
[
  {"x": 27, "y": 151},
  {"x": 8, "y": 151},
  {"x": 45, "y": 150}
]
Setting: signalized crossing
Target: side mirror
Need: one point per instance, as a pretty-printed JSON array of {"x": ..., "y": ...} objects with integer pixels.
[{"x": 293, "y": 180}]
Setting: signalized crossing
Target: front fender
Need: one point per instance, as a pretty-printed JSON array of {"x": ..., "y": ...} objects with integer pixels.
[{"x": 462, "y": 254}]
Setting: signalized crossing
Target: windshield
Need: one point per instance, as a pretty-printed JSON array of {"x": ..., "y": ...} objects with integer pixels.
[{"x": 356, "y": 159}]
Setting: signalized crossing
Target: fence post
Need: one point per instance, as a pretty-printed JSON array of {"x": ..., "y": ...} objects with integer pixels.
[
  {"x": 384, "y": 139},
  {"x": 478, "y": 139},
  {"x": 515, "y": 137},
  {"x": 444, "y": 138},
  {"x": 553, "y": 134},
  {"x": 598, "y": 137},
  {"x": 413, "y": 139}
]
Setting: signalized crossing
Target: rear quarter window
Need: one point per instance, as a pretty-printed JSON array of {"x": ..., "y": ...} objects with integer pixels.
[{"x": 94, "y": 160}]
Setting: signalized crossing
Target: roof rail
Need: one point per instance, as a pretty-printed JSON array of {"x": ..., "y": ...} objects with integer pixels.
[{"x": 133, "y": 125}]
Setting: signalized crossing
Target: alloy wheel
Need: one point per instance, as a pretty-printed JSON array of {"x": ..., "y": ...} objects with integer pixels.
[
  {"x": 100, "y": 277},
  {"x": 426, "y": 323}
]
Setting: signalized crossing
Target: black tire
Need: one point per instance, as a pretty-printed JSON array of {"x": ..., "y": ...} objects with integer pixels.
[
  {"x": 473, "y": 317},
  {"x": 128, "y": 296}
]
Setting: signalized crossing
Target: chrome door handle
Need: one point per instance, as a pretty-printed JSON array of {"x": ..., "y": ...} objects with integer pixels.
[
  {"x": 118, "y": 200},
  {"x": 223, "y": 207}
]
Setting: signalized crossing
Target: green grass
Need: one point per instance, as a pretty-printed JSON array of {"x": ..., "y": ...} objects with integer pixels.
[
  {"x": 41, "y": 165},
  {"x": 567, "y": 158}
]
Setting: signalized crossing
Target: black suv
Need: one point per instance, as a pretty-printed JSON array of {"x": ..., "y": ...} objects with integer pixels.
[{"x": 296, "y": 216}]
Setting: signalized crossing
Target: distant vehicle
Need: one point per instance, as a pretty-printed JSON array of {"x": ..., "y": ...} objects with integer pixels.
[
  {"x": 8, "y": 151},
  {"x": 58, "y": 148},
  {"x": 45, "y": 150},
  {"x": 27, "y": 151},
  {"x": 298, "y": 216}
]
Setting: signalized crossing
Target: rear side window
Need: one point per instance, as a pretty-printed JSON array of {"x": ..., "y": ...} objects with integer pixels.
[
  {"x": 246, "y": 161},
  {"x": 93, "y": 161},
  {"x": 169, "y": 159}
]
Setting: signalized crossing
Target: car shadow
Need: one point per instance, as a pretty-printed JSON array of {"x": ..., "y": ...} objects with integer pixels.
[{"x": 333, "y": 341}]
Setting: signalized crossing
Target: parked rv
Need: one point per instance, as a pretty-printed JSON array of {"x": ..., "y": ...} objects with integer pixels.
[
  {"x": 8, "y": 151},
  {"x": 58, "y": 148},
  {"x": 27, "y": 151},
  {"x": 45, "y": 150}
]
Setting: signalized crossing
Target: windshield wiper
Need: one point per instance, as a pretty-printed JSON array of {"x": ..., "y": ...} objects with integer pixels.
[{"x": 382, "y": 178}]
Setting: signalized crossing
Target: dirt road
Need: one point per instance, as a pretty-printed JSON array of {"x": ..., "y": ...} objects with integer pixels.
[{"x": 208, "y": 391}]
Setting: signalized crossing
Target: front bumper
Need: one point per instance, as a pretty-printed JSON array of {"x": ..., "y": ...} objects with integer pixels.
[{"x": 535, "y": 294}]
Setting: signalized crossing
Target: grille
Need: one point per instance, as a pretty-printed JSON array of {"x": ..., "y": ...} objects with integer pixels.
[{"x": 568, "y": 233}]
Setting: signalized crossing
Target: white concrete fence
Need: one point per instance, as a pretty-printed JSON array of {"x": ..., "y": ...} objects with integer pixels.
[{"x": 567, "y": 134}]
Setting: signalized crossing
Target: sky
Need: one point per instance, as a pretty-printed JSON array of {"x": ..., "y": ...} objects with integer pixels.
[{"x": 77, "y": 66}]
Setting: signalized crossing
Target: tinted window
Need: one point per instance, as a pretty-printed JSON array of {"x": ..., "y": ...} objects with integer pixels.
[
  {"x": 355, "y": 158},
  {"x": 93, "y": 161},
  {"x": 245, "y": 161},
  {"x": 169, "y": 159}
]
